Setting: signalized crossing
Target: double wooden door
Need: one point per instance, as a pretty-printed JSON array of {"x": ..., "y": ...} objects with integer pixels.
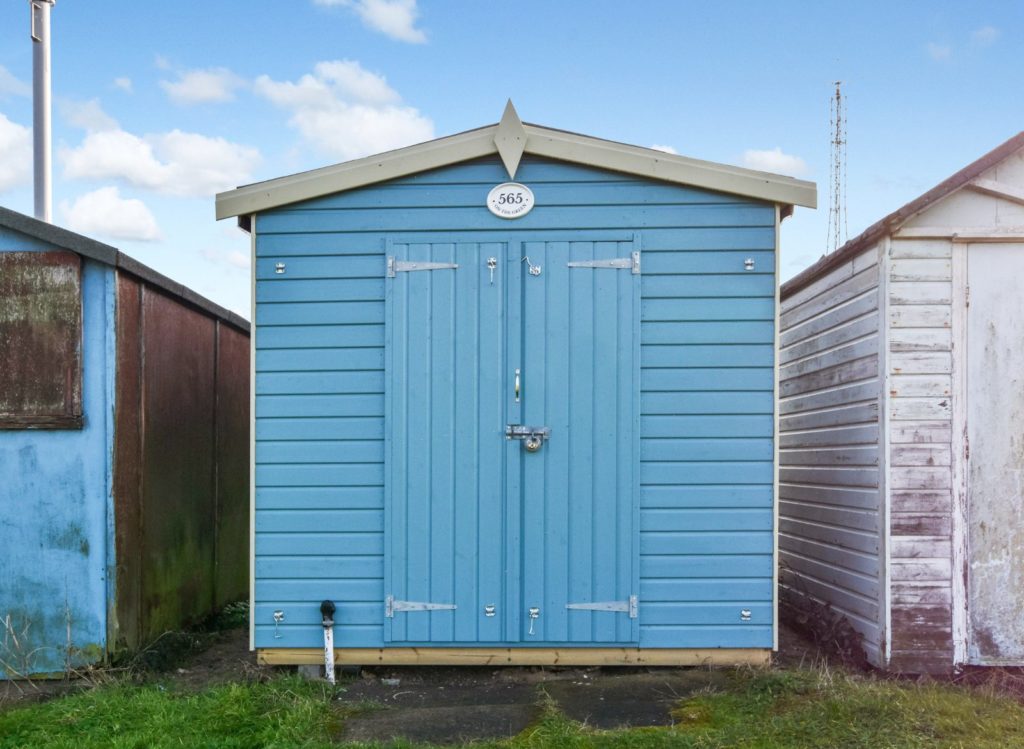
[{"x": 512, "y": 443}]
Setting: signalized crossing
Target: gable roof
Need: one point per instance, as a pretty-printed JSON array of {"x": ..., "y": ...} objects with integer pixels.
[
  {"x": 901, "y": 215},
  {"x": 510, "y": 139},
  {"x": 103, "y": 253}
]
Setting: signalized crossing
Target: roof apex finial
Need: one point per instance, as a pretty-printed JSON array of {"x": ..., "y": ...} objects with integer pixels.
[{"x": 510, "y": 139}]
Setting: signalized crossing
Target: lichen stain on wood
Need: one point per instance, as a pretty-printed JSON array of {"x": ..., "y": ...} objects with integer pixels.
[{"x": 40, "y": 339}]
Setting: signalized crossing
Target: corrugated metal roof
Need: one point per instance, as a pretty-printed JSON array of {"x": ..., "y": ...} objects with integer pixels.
[
  {"x": 103, "y": 253},
  {"x": 897, "y": 218},
  {"x": 540, "y": 141}
]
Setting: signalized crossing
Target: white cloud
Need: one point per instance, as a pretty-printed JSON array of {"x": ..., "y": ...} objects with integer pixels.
[
  {"x": 393, "y": 18},
  {"x": 104, "y": 212},
  {"x": 939, "y": 52},
  {"x": 15, "y": 154},
  {"x": 238, "y": 259},
  {"x": 774, "y": 160},
  {"x": 666, "y": 149},
  {"x": 986, "y": 36},
  {"x": 125, "y": 84},
  {"x": 161, "y": 62},
  {"x": 174, "y": 163},
  {"x": 203, "y": 86},
  {"x": 234, "y": 258},
  {"x": 347, "y": 111},
  {"x": 11, "y": 86},
  {"x": 87, "y": 115}
]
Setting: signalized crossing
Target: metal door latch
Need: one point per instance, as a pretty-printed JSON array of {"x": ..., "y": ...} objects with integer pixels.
[
  {"x": 532, "y": 437},
  {"x": 534, "y": 614}
]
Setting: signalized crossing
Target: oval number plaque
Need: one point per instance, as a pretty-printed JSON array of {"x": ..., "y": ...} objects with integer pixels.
[{"x": 510, "y": 200}]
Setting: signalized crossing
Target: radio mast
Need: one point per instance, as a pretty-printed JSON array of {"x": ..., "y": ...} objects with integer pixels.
[{"x": 837, "y": 228}]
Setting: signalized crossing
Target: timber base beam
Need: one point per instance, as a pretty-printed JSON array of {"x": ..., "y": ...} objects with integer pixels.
[{"x": 518, "y": 656}]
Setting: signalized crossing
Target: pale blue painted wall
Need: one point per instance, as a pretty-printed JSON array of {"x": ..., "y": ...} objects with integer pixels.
[
  {"x": 56, "y": 516},
  {"x": 707, "y": 356}
]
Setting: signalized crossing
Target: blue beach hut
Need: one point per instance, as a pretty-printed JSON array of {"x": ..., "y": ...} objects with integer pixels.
[{"x": 515, "y": 403}]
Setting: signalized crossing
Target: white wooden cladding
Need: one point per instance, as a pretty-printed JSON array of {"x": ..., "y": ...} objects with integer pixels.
[
  {"x": 831, "y": 523},
  {"x": 919, "y": 414}
]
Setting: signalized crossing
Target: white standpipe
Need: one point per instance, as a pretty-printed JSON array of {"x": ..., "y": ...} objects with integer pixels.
[
  {"x": 41, "y": 140},
  {"x": 327, "y": 612}
]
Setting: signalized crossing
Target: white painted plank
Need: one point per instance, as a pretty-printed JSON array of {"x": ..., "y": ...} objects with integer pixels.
[
  {"x": 920, "y": 477},
  {"x": 920, "y": 339},
  {"x": 917, "y": 409},
  {"x": 843, "y": 601},
  {"x": 911, "y": 292},
  {"x": 931, "y": 269},
  {"x": 922, "y": 432},
  {"x": 931, "y": 570},
  {"x": 914, "y": 362},
  {"x": 922, "y": 248},
  {"x": 935, "y": 501},
  {"x": 924, "y": 385},
  {"x": 921, "y": 316},
  {"x": 833, "y": 357},
  {"x": 921, "y": 455},
  {"x": 909, "y": 547}
]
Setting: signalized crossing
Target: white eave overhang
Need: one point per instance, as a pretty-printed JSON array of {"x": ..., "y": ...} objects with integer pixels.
[{"x": 510, "y": 139}]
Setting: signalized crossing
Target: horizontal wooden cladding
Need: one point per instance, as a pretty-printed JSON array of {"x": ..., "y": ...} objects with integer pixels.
[
  {"x": 862, "y": 413},
  {"x": 920, "y": 385},
  {"x": 830, "y": 319},
  {"x": 675, "y": 239},
  {"x": 866, "y": 519},
  {"x": 372, "y": 264},
  {"x": 866, "y": 542},
  {"x": 836, "y": 558},
  {"x": 862, "y": 610},
  {"x": 840, "y": 496},
  {"x": 798, "y": 308},
  {"x": 849, "y": 476},
  {"x": 819, "y": 346},
  {"x": 826, "y": 572},
  {"x": 837, "y": 375},
  {"x": 822, "y": 400},
  {"x": 840, "y": 457},
  {"x": 920, "y": 524},
  {"x": 920, "y": 570},
  {"x": 837, "y": 436},
  {"x": 519, "y": 656},
  {"x": 455, "y": 219}
]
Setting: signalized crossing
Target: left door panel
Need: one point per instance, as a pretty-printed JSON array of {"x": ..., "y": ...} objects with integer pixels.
[{"x": 445, "y": 506}]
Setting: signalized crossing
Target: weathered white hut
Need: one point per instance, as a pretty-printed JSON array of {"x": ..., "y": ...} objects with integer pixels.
[{"x": 902, "y": 426}]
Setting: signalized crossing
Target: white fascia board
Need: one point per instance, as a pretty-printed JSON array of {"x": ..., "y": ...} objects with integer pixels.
[
  {"x": 351, "y": 174},
  {"x": 646, "y": 162},
  {"x": 554, "y": 144}
]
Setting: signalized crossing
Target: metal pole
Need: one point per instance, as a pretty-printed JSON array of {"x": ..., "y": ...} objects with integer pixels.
[{"x": 39, "y": 11}]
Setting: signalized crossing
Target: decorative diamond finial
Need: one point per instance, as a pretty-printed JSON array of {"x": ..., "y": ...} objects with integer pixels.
[{"x": 510, "y": 139}]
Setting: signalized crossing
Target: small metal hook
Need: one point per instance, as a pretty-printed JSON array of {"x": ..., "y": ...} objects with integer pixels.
[{"x": 534, "y": 269}]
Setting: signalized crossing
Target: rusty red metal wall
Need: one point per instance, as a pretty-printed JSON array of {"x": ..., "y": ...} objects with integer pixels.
[
  {"x": 232, "y": 583},
  {"x": 181, "y": 463}
]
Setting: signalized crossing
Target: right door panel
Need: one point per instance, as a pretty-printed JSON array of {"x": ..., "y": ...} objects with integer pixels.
[{"x": 580, "y": 377}]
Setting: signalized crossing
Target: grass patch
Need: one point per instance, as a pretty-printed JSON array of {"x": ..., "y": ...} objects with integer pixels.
[
  {"x": 808, "y": 709},
  {"x": 283, "y": 712}
]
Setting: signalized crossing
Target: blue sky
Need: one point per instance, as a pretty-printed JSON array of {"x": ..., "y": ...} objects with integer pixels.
[{"x": 159, "y": 105}]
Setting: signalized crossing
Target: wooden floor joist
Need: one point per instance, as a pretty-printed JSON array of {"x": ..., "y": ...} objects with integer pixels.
[{"x": 518, "y": 656}]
